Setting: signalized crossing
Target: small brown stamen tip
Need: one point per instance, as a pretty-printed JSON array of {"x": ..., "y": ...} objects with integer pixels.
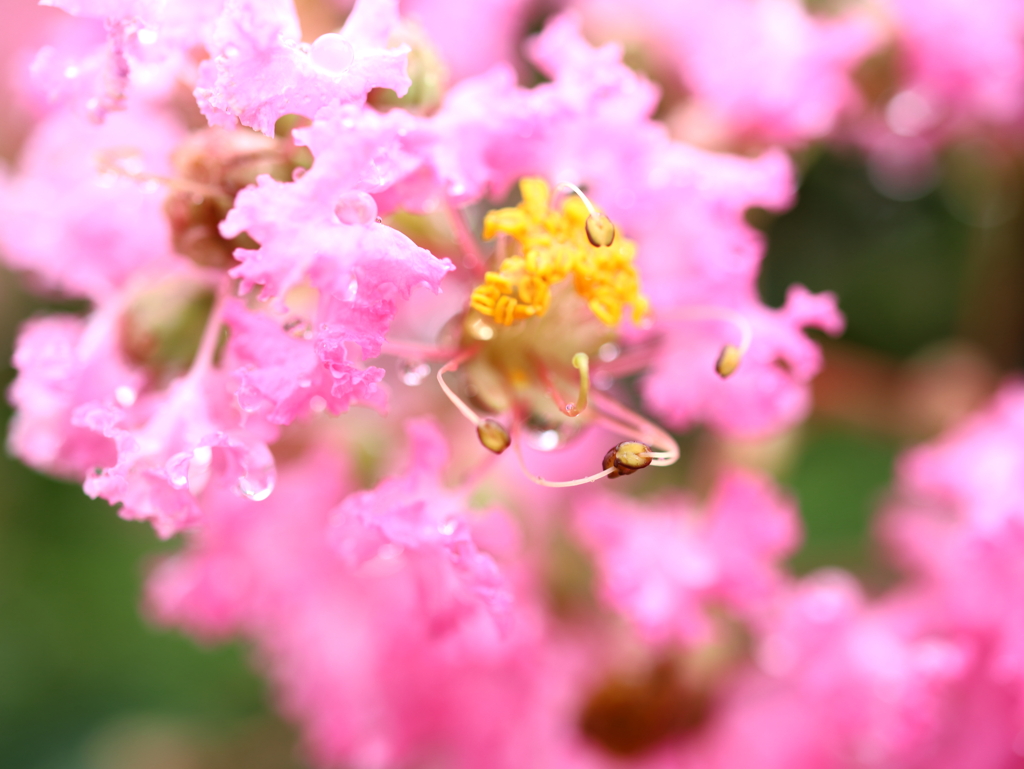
[
  {"x": 627, "y": 458},
  {"x": 493, "y": 436},
  {"x": 728, "y": 360},
  {"x": 600, "y": 230}
]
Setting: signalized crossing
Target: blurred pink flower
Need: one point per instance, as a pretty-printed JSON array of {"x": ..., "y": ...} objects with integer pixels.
[
  {"x": 963, "y": 64},
  {"x": 664, "y": 565},
  {"x": 766, "y": 71}
]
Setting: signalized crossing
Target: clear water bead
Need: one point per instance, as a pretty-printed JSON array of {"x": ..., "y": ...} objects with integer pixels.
[
  {"x": 412, "y": 373},
  {"x": 356, "y": 207},
  {"x": 332, "y": 52}
]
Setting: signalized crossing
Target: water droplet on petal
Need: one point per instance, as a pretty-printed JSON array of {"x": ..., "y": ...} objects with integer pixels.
[
  {"x": 177, "y": 469},
  {"x": 231, "y": 51},
  {"x": 548, "y": 437},
  {"x": 148, "y": 36},
  {"x": 297, "y": 173},
  {"x": 356, "y": 207},
  {"x": 448, "y": 528},
  {"x": 249, "y": 398},
  {"x": 125, "y": 396},
  {"x": 257, "y": 482},
  {"x": 332, "y": 52},
  {"x": 546, "y": 440},
  {"x": 352, "y": 290},
  {"x": 318, "y": 404},
  {"x": 412, "y": 373}
]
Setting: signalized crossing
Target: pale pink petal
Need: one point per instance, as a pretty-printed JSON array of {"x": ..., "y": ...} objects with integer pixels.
[
  {"x": 663, "y": 564},
  {"x": 260, "y": 71}
]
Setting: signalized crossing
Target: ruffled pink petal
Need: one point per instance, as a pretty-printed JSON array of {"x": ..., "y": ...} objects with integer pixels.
[
  {"x": 73, "y": 216},
  {"x": 62, "y": 363},
  {"x": 663, "y": 564},
  {"x": 964, "y": 63},
  {"x": 291, "y": 375},
  {"x": 260, "y": 71},
  {"x": 322, "y": 229},
  {"x": 170, "y": 450},
  {"x": 767, "y": 392},
  {"x": 412, "y": 515}
]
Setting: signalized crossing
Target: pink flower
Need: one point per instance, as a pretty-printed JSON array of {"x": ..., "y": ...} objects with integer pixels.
[
  {"x": 963, "y": 64},
  {"x": 663, "y": 565},
  {"x": 322, "y": 229},
  {"x": 844, "y": 681},
  {"x": 63, "y": 362},
  {"x": 379, "y": 636},
  {"x": 260, "y": 71},
  {"x": 471, "y": 36},
  {"x": 73, "y": 216},
  {"x": 976, "y": 471},
  {"x": 769, "y": 390},
  {"x": 761, "y": 70}
]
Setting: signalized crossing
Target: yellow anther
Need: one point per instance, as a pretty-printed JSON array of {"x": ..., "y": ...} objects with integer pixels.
[
  {"x": 493, "y": 435},
  {"x": 502, "y": 283},
  {"x": 728, "y": 360},
  {"x": 577, "y": 241},
  {"x": 627, "y": 458}
]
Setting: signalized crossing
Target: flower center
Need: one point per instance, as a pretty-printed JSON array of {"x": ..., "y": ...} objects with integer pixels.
[
  {"x": 554, "y": 245},
  {"x": 562, "y": 283}
]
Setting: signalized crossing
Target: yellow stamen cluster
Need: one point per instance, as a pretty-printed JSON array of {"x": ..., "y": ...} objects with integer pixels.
[{"x": 554, "y": 245}]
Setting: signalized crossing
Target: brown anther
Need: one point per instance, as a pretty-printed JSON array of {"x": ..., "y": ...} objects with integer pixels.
[
  {"x": 493, "y": 436},
  {"x": 600, "y": 230},
  {"x": 728, "y": 360},
  {"x": 627, "y": 458}
]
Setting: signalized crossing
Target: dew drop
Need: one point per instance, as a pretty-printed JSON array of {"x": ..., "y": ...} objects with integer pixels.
[
  {"x": 125, "y": 396},
  {"x": 547, "y": 440},
  {"x": 447, "y": 528},
  {"x": 231, "y": 51},
  {"x": 318, "y": 404},
  {"x": 297, "y": 173},
  {"x": 548, "y": 437},
  {"x": 257, "y": 482},
  {"x": 412, "y": 373},
  {"x": 332, "y": 52},
  {"x": 352, "y": 290},
  {"x": 147, "y": 36},
  {"x": 249, "y": 399},
  {"x": 177, "y": 469},
  {"x": 356, "y": 207}
]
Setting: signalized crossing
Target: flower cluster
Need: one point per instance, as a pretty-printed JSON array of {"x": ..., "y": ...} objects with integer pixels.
[{"x": 307, "y": 253}]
